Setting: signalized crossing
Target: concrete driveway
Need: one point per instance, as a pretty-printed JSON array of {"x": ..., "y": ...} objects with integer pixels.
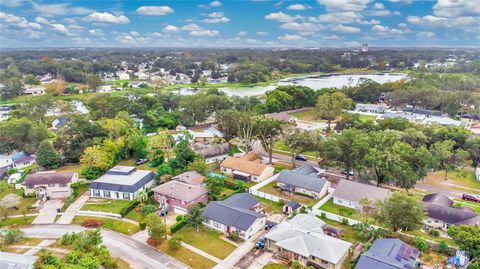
[
  {"x": 48, "y": 212},
  {"x": 138, "y": 255}
]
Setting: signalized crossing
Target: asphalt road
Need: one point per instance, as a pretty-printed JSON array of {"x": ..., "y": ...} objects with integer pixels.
[
  {"x": 138, "y": 255},
  {"x": 434, "y": 189}
]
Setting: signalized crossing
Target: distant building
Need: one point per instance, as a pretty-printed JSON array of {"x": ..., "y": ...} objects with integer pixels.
[
  {"x": 34, "y": 91},
  {"x": 123, "y": 76},
  {"x": 4, "y": 110},
  {"x": 105, "y": 88},
  {"x": 372, "y": 108},
  {"x": 364, "y": 47},
  {"x": 17, "y": 160}
]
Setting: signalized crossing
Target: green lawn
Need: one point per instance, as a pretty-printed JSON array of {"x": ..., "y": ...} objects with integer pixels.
[
  {"x": 131, "y": 162},
  {"x": 105, "y": 205},
  {"x": 329, "y": 206},
  {"x": 112, "y": 224},
  {"x": 472, "y": 205},
  {"x": 364, "y": 118},
  {"x": 25, "y": 202},
  {"x": 17, "y": 221},
  {"x": 465, "y": 177},
  {"x": 186, "y": 256},
  {"x": 270, "y": 206},
  {"x": 280, "y": 145},
  {"x": 234, "y": 149},
  {"x": 276, "y": 266},
  {"x": 349, "y": 233},
  {"x": 207, "y": 240},
  {"x": 462, "y": 180},
  {"x": 419, "y": 233},
  {"x": 270, "y": 188},
  {"x": 70, "y": 167}
]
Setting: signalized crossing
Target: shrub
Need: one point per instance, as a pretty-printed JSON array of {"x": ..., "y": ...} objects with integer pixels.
[
  {"x": 126, "y": 209},
  {"x": 179, "y": 218},
  {"x": 92, "y": 223},
  {"x": 435, "y": 232},
  {"x": 177, "y": 226},
  {"x": 12, "y": 236},
  {"x": 323, "y": 215},
  {"x": 175, "y": 242},
  {"x": 153, "y": 242},
  {"x": 147, "y": 209},
  {"x": 69, "y": 238},
  {"x": 142, "y": 225},
  {"x": 345, "y": 221},
  {"x": 443, "y": 247}
]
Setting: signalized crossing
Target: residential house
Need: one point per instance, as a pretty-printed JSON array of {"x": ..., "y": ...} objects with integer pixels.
[
  {"x": 190, "y": 177},
  {"x": 304, "y": 180},
  {"x": 53, "y": 185},
  {"x": 123, "y": 76},
  {"x": 444, "y": 121},
  {"x": 389, "y": 253},
  {"x": 178, "y": 196},
  {"x": 137, "y": 84},
  {"x": 47, "y": 78},
  {"x": 59, "y": 122},
  {"x": 350, "y": 193},
  {"x": 441, "y": 213},
  {"x": 105, "y": 88},
  {"x": 212, "y": 152},
  {"x": 372, "y": 108},
  {"x": 121, "y": 182},
  {"x": 34, "y": 91},
  {"x": 246, "y": 170},
  {"x": 17, "y": 261},
  {"x": 303, "y": 239},
  {"x": 238, "y": 213},
  {"x": 17, "y": 160},
  {"x": 5, "y": 110},
  {"x": 143, "y": 76}
]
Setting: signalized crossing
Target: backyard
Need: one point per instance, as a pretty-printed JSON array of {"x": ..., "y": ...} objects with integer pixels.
[
  {"x": 207, "y": 240},
  {"x": 272, "y": 188},
  {"x": 186, "y": 256},
  {"x": 112, "y": 224},
  {"x": 270, "y": 206}
]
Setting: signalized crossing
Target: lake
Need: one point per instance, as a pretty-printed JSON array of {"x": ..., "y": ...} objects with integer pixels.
[{"x": 316, "y": 83}]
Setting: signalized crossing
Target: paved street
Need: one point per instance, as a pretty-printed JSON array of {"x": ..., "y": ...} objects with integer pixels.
[
  {"x": 432, "y": 189},
  {"x": 48, "y": 212},
  {"x": 138, "y": 255}
]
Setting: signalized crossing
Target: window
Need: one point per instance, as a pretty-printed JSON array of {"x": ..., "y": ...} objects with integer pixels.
[
  {"x": 63, "y": 185},
  {"x": 51, "y": 185},
  {"x": 30, "y": 187},
  {"x": 216, "y": 224},
  {"x": 126, "y": 196},
  {"x": 96, "y": 193},
  {"x": 106, "y": 194}
]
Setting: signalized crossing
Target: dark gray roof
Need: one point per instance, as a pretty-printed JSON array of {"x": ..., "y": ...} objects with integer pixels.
[
  {"x": 451, "y": 215},
  {"x": 438, "y": 199},
  {"x": 234, "y": 211},
  {"x": 388, "y": 253},
  {"x": 307, "y": 182},
  {"x": 294, "y": 205},
  {"x": 115, "y": 180},
  {"x": 306, "y": 169}
]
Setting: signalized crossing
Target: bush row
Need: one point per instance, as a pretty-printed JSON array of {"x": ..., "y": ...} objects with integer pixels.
[
  {"x": 126, "y": 209},
  {"x": 177, "y": 226}
]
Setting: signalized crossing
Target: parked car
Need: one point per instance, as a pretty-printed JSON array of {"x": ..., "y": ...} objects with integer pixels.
[
  {"x": 470, "y": 197},
  {"x": 141, "y": 161},
  {"x": 260, "y": 243},
  {"x": 344, "y": 171},
  {"x": 301, "y": 157}
]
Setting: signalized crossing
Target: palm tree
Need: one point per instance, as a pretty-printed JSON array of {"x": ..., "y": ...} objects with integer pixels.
[{"x": 142, "y": 196}]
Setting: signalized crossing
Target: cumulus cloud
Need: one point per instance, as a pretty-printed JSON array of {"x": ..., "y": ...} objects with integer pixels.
[
  {"x": 262, "y": 33},
  {"x": 303, "y": 27},
  {"x": 96, "y": 32},
  {"x": 242, "y": 33},
  {"x": 192, "y": 29},
  {"x": 42, "y": 20},
  {"x": 14, "y": 21},
  {"x": 340, "y": 17},
  {"x": 51, "y": 10},
  {"x": 281, "y": 17},
  {"x": 204, "y": 32},
  {"x": 60, "y": 28},
  {"x": 385, "y": 30},
  {"x": 289, "y": 38},
  {"x": 171, "y": 29},
  {"x": 155, "y": 10},
  {"x": 212, "y": 4},
  {"x": 456, "y": 8},
  {"x": 298, "y": 7},
  {"x": 344, "y": 5},
  {"x": 216, "y": 20},
  {"x": 345, "y": 29},
  {"x": 106, "y": 17}
]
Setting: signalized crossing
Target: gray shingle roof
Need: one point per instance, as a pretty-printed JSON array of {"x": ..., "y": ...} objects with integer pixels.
[
  {"x": 307, "y": 182},
  {"x": 234, "y": 211},
  {"x": 388, "y": 253},
  {"x": 123, "y": 179},
  {"x": 306, "y": 169},
  {"x": 355, "y": 191},
  {"x": 451, "y": 215},
  {"x": 438, "y": 199}
]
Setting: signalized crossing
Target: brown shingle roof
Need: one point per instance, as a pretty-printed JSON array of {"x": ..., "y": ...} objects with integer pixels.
[
  {"x": 180, "y": 190},
  {"x": 250, "y": 167},
  {"x": 191, "y": 177},
  {"x": 48, "y": 178},
  {"x": 251, "y": 156}
]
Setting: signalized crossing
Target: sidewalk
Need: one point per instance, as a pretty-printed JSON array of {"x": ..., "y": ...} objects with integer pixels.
[{"x": 72, "y": 210}]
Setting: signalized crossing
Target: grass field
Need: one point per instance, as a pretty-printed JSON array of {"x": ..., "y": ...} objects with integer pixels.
[
  {"x": 105, "y": 205},
  {"x": 460, "y": 180},
  {"x": 276, "y": 266},
  {"x": 17, "y": 221},
  {"x": 25, "y": 202},
  {"x": 207, "y": 240},
  {"x": 186, "y": 256},
  {"x": 269, "y": 205},
  {"x": 112, "y": 224},
  {"x": 364, "y": 118}
]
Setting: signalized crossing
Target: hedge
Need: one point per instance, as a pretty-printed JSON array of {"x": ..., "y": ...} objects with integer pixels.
[
  {"x": 177, "y": 226},
  {"x": 125, "y": 210}
]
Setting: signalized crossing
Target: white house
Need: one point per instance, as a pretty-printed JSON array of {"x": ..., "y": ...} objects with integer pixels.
[
  {"x": 17, "y": 160},
  {"x": 349, "y": 193},
  {"x": 34, "y": 91},
  {"x": 122, "y": 183},
  {"x": 123, "y": 75},
  {"x": 372, "y": 108},
  {"x": 105, "y": 88}
]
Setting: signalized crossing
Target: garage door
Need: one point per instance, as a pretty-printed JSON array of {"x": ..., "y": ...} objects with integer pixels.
[
  {"x": 179, "y": 210},
  {"x": 59, "y": 194}
]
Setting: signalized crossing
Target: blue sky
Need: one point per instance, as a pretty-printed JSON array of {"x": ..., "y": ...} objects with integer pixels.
[{"x": 239, "y": 23}]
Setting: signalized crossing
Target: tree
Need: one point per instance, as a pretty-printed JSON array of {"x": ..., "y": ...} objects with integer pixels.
[
  {"x": 10, "y": 200},
  {"x": 94, "y": 81},
  {"x": 330, "y": 105},
  {"x": 156, "y": 226},
  {"x": 215, "y": 186},
  {"x": 162, "y": 141},
  {"x": 31, "y": 80},
  {"x": 175, "y": 242},
  {"x": 94, "y": 161},
  {"x": 199, "y": 165},
  {"x": 364, "y": 230},
  {"x": 401, "y": 212},
  {"x": 442, "y": 153},
  {"x": 56, "y": 87},
  {"x": 467, "y": 238},
  {"x": 194, "y": 217},
  {"x": 147, "y": 209},
  {"x": 245, "y": 127},
  {"x": 227, "y": 122},
  {"x": 47, "y": 156},
  {"x": 268, "y": 131},
  {"x": 299, "y": 141},
  {"x": 142, "y": 196}
]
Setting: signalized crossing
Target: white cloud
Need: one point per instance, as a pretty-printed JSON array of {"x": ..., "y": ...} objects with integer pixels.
[
  {"x": 378, "y": 5},
  {"x": 134, "y": 33},
  {"x": 155, "y": 10},
  {"x": 216, "y": 14},
  {"x": 340, "y": 17},
  {"x": 385, "y": 30},
  {"x": 433, "y": 21},
  {"x": 262, "y": 33},
  {"x": 96, "y": 32},
  {"x": 17, "y": 22},
  {"x": 171, "y": 29},
  {"x": 204, "y": 32},
  {"x": 281, "y": 17},
  {"x": 12, "y": 3},
  {"x": 156, "y": 34},
  {"x": 352, "y": 44},
  {"x": 456, "y": 8},
  {"x": 289, "y": 38},
  {"x": 34, "y": 25},
  {"x": 242, "y": 33},
  {"x": 216, "y": 20},
  {"x": 126, "y": 39},
  {"x": 344, "y": 5},
  {"x": 191, "y": 27},
  {"x": 298, "y": 7},
  {"x": 345, "y": 29},
  {"x": 402, "y": 1},
  {"x": 425, "y": 35},
  {"x": 51, "y": 10},
  {"x": 106, "y": 17},
  {"x": 42, "y": 20},
  {"x": 59, "y": 28},
  {"x": 216, "y": 4},
  {"x": 303, "y": 27}
]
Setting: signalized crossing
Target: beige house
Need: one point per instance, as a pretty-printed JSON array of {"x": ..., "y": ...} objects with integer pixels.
[
  {"x": 54, "y": 185},
  {"x": 303, "y": 239},
  {"x": 245, "y": 169}
]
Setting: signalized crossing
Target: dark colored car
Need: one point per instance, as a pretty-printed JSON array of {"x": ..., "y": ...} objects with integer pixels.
[
  {"x": 301, "y": 157},
  {"x": 141, "y": 161},
  {"x": 260, "y": 243},
  {"x": 470, "y": 197}
]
